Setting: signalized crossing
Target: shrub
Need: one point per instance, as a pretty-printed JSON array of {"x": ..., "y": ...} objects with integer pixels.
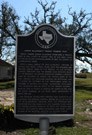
[
  {"x": 8, "y": 121},
  {"x": 81, "y": 75},
  {"x": 6, "y": 115}
]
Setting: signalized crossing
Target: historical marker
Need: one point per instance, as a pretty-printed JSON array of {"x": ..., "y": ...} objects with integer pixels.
[{"x": 44, "y": 75}]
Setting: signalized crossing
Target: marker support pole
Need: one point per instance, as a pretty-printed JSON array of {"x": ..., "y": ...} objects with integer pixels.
[{"x": 44, "y": 126}]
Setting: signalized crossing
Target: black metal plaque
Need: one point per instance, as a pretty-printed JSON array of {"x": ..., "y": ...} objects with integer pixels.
[{"x": 44, "y": 73}]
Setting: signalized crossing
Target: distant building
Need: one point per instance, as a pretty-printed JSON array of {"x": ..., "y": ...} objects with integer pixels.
[{"x": 6, "y": 71}]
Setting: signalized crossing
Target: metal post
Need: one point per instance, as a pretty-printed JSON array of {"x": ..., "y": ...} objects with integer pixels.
[{"x": 44, "y": 126}]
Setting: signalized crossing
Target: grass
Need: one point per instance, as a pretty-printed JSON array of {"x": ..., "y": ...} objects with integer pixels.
[
  {"x": 73, "y": 131},
  {"x": 89, "y": 75},
  {"x": 31, "y": 131},
  {"x": 83, "y": 95},
  {"x": 6, "y": 85},
  {"x": 61, "y": 131},
  {"x": 84, "y": 84}
]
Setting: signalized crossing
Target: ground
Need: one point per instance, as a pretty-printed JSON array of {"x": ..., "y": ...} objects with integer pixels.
[
  {"x": 11, "y": 133},
  {"x": 7, "y": 96}
]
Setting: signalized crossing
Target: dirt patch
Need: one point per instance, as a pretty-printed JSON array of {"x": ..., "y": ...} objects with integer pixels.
[
  {"x": 85, "y": 124},
  {"x": 7, "y": 97},
  {"x": 86, "y": 113}
]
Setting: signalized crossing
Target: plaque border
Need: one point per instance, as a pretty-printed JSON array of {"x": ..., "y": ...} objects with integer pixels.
[{"x": 52, "y": 117}]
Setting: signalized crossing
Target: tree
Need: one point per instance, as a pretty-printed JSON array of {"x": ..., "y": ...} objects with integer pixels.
[
  {"x": 80, "y": 26},
  {"x": 49, "y": 16},
  {"x": 9, "y": 27},
  {"x": 84, "y": 70}
]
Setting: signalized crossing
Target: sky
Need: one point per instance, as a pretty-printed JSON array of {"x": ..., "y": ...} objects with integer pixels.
[{"x": 24, "y": 7}]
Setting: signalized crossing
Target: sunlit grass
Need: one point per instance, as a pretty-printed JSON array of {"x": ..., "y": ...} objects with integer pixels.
[
  {"x": 73, "y": 131},
  {"x": 6, "y": 85},
  {"x": 31, "y": 131},
  {"x": 82, "y": 95}
]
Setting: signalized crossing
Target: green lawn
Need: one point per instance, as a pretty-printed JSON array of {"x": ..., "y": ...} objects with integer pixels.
[
  {"x": 6, "y": 85},
  {"x": 61, "y": 131}
]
